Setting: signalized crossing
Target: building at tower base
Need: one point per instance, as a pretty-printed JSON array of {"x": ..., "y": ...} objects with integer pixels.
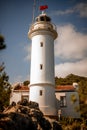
[{"x": 66, "y": 107}]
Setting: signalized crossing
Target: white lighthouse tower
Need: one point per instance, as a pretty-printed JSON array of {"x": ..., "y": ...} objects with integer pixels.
[{"x": 42, "y": 84}]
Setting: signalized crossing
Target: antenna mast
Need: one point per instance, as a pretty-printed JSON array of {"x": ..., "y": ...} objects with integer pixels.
[{"x": 34, "y": 7}]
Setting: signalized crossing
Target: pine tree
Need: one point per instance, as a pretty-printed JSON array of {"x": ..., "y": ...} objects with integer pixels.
[
  {"x": 2, "y": 45},
  {"x": 5, "y": 88}
]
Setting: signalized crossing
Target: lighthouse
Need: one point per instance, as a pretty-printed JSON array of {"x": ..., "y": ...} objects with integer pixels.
[{"x": 42, "y": 83}]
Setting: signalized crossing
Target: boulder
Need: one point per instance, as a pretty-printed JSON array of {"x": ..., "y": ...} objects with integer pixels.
[{"x": 24, "y": 116}]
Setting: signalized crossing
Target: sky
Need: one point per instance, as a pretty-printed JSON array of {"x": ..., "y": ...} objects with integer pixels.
[{"x": 70, "y": 18}]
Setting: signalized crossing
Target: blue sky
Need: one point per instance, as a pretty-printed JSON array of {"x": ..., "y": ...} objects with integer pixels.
[{"x": 70, "y": 17}]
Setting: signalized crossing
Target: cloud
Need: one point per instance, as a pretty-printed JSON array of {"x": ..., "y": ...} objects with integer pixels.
[
  {"x": 78, "y": 68},
  {"x": 60, "y": 12},
  {"x": 80, "y": 9},
  {"x": 28, "y": 50},
  {"x": 70, "y": 43},
  {"x": 71, "y": 47}
]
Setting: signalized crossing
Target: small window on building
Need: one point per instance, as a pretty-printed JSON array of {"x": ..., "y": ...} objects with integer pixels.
[
  {"x": 63, "y": 101},
  {"x": 41, "y": 44},
  {"x": 25, "y": 97},
  {"x": 41, "y": 92},
  {"x": 41, "y": 66}
]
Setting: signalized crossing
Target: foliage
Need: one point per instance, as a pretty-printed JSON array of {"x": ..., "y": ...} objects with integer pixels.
[
  {"x": 69, "y": 80},
  {"x": 83, "y": 98},
  {"x": 26, "y": 83},
  {"x": 73, "y": 124},
  {"x": 73, "y": 98},
  {"x": 2, "y": 45},
  {"x": 4, "y": 88},
  {"x": 82, "y": 83}
]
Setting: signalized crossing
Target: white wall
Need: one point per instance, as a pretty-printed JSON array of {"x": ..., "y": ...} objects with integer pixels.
[
  {"x": 47, "y": 101},
  {"x": 42, "y": 55},
  {"x": 70, "y": 109},
  {"x": 17, "y": 95}
]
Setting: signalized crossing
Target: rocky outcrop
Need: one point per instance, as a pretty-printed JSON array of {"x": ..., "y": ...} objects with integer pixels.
[{"x": 26, "y": 116}]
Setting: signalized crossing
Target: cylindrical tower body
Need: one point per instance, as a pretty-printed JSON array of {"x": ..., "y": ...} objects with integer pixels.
[{"x": 42, "y": 83}]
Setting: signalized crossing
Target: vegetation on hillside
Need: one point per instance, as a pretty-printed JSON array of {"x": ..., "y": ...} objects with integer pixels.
[{"x": 70, "y": 79}]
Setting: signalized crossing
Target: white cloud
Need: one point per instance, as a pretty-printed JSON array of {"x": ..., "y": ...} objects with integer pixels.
[
  {"x": 80, "y": 8},
  {"x": 78, "y": 68},
  {"x": 71, "y": 46},
  {"x": 60, "y": 12},
  {"x": 28, "y": 50},
  {"x": 70, "y": 43}
]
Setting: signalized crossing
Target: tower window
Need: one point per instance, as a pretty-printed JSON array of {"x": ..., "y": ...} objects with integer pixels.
[
  {"x": 42, "y": 19},
  {"x": 41, "y": 66},
  {"x": 41, "y": 92},
  {"x": 41, "y": 44}
]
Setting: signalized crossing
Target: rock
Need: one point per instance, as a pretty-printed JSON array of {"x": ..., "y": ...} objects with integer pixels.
[
  {"x": 56, "y": 126},
  {"x": 23, "y": 102},
  {"x": 45, "y": 124},
  {"x": 33, "y": 105},
  {"x": 24, "y": 116}
]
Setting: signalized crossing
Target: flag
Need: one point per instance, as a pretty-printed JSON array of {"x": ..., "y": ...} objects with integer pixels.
[{"x": 43, "y": 7}]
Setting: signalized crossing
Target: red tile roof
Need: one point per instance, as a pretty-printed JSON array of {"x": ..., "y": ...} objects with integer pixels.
[
  {"x": 57, "y": 88},
  {"x": 65, "y": 88},
  {"x": 21, "y": 88}
]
